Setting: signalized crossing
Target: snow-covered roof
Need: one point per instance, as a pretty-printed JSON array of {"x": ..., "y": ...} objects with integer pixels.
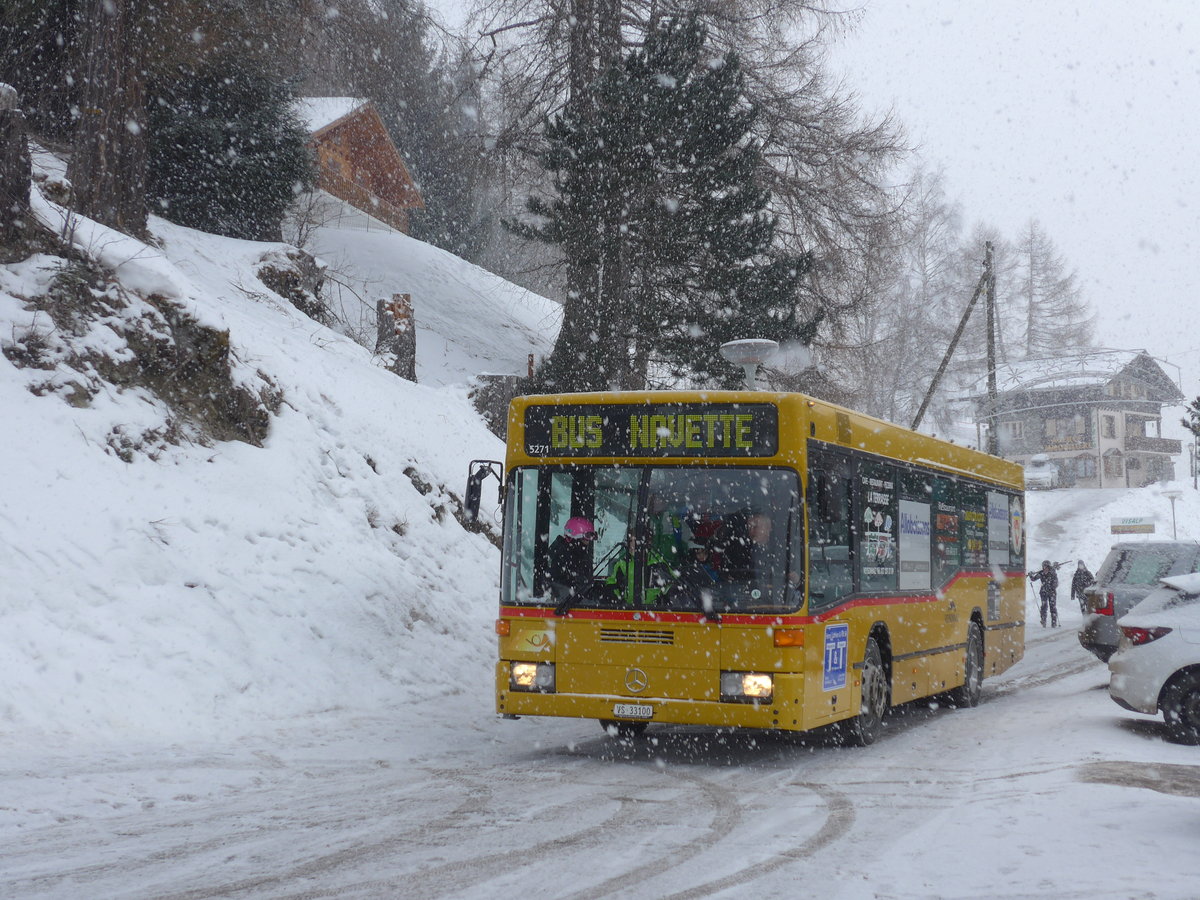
[
  {"x": 320, "y": 112},
  {"x": 1080, "y": 370},
  {"x": 1088, "y": 368}
]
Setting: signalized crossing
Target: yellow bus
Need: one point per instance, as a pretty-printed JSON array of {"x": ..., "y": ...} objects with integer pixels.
[{"x": 745, "y": 559}]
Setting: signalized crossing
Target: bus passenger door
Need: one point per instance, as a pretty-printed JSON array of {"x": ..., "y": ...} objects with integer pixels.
[
  {"x": 829, "y": 687},
  {"x": 830, "y": 523}
]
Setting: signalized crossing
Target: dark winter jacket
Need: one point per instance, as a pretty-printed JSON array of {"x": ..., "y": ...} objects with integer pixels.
[
  {"x": 733, "y": 547},
  {"x": 570, "y": 566},
  {"x": 1081, "y": 581},
  {"x": 1049, "y": 580}
]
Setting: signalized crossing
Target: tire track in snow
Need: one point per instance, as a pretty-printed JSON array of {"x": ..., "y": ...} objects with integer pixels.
[
  {"x": 154, "y": 862},
  {"x": 451, "y": 878},
  {"x": 838, "y": 822},
  {"x": 727, "y": 815}
]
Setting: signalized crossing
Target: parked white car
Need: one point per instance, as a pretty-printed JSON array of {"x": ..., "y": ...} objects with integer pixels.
[
  {"x": 1040, "y": 473},
  {"x": 1157, "y": 663}
]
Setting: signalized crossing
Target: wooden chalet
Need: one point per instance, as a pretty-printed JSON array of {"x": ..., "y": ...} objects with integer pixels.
[
  {"x": 358, "y": 162},
  {"x": 1097, "y": 415}
]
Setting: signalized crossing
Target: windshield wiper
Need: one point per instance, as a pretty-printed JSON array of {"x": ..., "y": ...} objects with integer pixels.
[{"x": 694, "y": 592}]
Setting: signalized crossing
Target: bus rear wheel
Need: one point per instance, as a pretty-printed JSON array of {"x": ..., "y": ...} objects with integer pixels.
[
  {"x": 968, "y": 693},
  {"x": 864, "y": 728},
  {"x": 623, "y": 730}
]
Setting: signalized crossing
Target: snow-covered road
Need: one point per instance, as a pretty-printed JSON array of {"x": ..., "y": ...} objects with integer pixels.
[{"x": 1046, "y": 790}]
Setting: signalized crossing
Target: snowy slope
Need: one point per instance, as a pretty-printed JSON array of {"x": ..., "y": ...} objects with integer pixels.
[
  {"x": 468, "y": 319},
  {"x": 218, "y": 586}
]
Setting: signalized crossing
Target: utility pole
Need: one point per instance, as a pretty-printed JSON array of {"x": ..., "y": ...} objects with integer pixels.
[
  {"x": 986, "y": 281},
  {"x": 989, "y": 273}
]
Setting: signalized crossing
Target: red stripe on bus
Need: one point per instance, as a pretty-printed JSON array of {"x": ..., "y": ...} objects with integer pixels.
[{"x": 647, "y": 615}]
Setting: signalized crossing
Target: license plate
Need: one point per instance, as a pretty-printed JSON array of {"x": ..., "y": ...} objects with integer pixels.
[{"x": 633, "y": 710}]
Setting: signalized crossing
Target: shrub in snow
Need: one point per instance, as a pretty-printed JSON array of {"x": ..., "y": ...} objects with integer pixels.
[
  {"x": 226, "y": 153},
  {"x": 91, "y": 338}
]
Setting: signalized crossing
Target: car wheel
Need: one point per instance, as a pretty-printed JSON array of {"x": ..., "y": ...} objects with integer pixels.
[
  {"x": 1181, "y": 708},
  {"x": 968, "y": 693},
  {"x": 864, "y": 728},
  {"x": 623, "y": 730}
]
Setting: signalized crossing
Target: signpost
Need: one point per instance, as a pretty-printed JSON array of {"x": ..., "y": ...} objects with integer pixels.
[
  {"x": 1173, "y": 496},
  {"x": 1132, "y": 525}
]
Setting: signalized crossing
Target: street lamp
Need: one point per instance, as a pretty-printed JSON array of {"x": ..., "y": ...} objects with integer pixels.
[
  {"x": 749, "y": 354},
  {"x": 1173, "y": 496}
]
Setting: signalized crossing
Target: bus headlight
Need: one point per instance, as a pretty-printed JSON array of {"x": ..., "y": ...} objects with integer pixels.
[
  {"x": 528, "y": 676},
  {"x": 746, "y": 686}
]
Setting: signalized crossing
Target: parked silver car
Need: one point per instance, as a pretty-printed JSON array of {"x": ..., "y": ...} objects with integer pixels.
[{"x": 1130, "y": 571}]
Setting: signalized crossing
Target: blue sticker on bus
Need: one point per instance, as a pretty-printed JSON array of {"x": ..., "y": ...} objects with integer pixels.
[{"x": 837, "y": 648}]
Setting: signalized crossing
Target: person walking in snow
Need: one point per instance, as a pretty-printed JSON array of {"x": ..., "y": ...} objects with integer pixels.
[
  {"x": 1049, "y": 592},
  {"x": 1080, "y": 582}
]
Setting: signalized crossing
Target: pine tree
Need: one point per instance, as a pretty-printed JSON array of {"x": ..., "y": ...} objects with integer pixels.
[
  {"x": 667, "y": 236},
  {"x": 227, "y": 153},
  {"x": 1191, "y": 420}
]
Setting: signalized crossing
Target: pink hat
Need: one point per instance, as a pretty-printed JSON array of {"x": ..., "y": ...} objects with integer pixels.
[{"x": 579, "y": 528}]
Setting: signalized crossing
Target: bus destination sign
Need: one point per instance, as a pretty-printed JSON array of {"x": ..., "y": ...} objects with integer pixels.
[{"x": 666, "y": 429}]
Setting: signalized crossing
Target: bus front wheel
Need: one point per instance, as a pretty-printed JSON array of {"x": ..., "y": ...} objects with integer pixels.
[{"x": 864, "y": 728}]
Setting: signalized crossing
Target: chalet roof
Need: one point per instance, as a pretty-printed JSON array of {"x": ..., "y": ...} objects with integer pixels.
[
  {"x": 1080, "y": 370},
  {"x": 1086, "y": 369},
  {"x": 320, "y": 112}
]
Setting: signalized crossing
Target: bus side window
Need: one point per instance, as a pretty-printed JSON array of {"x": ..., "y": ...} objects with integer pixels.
[{"x": 829, "y": 532}]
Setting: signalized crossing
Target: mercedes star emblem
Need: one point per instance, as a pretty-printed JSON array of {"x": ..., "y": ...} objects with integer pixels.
[{"x": 636, "y": 680}]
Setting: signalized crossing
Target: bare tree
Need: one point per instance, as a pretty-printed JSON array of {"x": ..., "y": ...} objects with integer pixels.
[
  {"x": 1056, "y": 317},
  {"x": 889, "y": 350}
]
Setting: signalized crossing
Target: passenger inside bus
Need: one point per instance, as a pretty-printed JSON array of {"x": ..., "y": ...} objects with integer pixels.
[
  {"x": 697, "y": 573},
  {"x": 621, "y": 579},
  {"x": 740, "y": 545},
  {"x": 668, "y": 530}
]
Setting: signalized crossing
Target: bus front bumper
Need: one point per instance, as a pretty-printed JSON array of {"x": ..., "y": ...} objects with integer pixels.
[{"x": 781, "y": 711}]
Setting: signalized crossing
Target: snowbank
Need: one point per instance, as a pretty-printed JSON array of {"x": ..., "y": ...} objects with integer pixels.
[{"x": 216, "y": 587}]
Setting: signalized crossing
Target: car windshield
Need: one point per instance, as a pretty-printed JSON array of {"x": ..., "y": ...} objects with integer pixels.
[
  {"x": 1143, "y": 567},
  {"x": 657, "y": 538}
]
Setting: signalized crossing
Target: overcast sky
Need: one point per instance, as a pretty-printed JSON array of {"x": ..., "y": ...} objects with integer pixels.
[{"x": 1083, "y": 114}]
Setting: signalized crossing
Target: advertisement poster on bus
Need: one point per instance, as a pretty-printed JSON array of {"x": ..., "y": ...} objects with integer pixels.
[
  {"x": 1016, "y": 537},
  {"x": 878, "y": 495},
  {"x": 946, "y": 541},
  {"x": 999, "y": 528},
  {"x": 915, "y": 528},
  {"x": 975, "y": 529}
]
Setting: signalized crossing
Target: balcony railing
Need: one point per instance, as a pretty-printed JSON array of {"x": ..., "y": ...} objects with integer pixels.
[
  {"x": 1142, "y": 444},
  {"x": 1067, "y": 445}
]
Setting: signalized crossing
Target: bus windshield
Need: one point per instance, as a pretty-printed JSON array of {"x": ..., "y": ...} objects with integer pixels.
[{"x": 710, "y": 539}]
